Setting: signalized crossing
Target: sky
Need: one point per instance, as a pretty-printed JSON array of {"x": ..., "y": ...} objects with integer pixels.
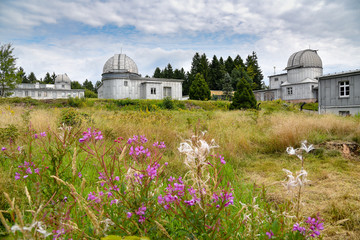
[{"x": 77, "y": 37}]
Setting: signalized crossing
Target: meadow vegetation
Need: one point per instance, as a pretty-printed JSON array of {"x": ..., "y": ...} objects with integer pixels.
[{"x": 88, "y": 184}]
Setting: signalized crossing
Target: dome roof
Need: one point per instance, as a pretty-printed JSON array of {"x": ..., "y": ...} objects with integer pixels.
[
  {"x": 62, "y": 78},
  {"x": 304, "y": 58},
  {"x": 120, "y": 63}
]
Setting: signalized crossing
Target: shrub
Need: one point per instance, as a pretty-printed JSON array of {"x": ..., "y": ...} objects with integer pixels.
[
  {"x": 168, "y": 103},
  {"x": 70, "y": 117},
  {"x": 9, "y": 133}
]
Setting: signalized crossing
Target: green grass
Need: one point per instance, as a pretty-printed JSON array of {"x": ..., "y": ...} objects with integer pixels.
[{"x": 252, "y": 142}]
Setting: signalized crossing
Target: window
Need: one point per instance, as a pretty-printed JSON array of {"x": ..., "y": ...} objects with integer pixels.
[
  {"x": 26, "y": 93},
  {"x": 289, "y": 90},
  {"x": 39, "y": 94},
  {"x": 63, "y": 86},
  {"x": 125, "y": 83},
  {"x": 153, "y": 91},
  {"x": 45, "y": 94},
  {"x": 276, "y": 79},
  {"x": 63, "y": 94},
  {"x": 344, "y": 113},
  {"x": 344, "y": 89}
]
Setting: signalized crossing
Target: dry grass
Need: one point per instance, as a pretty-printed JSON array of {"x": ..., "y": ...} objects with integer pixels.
[{"x": 254, "y": 144}]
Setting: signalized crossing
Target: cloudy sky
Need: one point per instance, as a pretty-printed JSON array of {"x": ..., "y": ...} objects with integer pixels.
[{"x": 78, "y": 36}]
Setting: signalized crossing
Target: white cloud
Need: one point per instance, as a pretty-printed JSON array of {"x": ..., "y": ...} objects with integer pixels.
[{"x": 172, "y": 31}]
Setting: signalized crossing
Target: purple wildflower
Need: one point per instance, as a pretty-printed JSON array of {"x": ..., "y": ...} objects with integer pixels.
[
  {"x": 43, "y": 134},
  {"x": 3, "y": 148},
  {"x": 222, "y": 161},
  {"x": 28, "y": 171},
  {"x": 79, "y": 175},
  {"x": 129, "y": 214},
  {"x": 17, "y": 176},
  {"x": 117, "y": 178},
  {"x": 270, "y": 234}
]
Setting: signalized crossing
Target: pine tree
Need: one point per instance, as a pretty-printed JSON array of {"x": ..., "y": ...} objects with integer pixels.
[
  {"x": 157, "y": 73},
  {"x": 53, "y": 77},
  {"x": 229, "y": 65},
  {"x": 216, "y": 74},
  {"x": 199, "y": 90},
  {"x": 88, "y": 85},
  {"x": 179, "y": 74},
  {"x": 237, "y": 74},
  {"x": 48, "y": 79},
  {"x": 76, "y": 85},
  {"x": 244, "y": 97},
  {"x": 226, "y": 87},
  {"x": 32, "y": 78},
  {"x": 168, "y": 71},
  {"x": 254, "y": 71},
  {"x": 23, "y": 75},
  {"x": 238, "y": 61}
]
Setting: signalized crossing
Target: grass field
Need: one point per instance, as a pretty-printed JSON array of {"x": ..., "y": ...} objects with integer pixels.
[{"x": 253, "y": 144}]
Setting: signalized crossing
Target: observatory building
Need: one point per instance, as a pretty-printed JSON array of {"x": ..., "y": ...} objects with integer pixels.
[
  {"x": 61, "y": 89},
  {"x": 120, "y": 79},
  {"x": 299, "y": 83}
]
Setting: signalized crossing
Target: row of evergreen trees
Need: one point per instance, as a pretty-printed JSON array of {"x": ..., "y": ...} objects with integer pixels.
[{"x": 218, "y": 74}]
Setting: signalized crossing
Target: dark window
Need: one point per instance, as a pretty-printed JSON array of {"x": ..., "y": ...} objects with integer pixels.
[
  {"x": 125, "y": 83},
  {"x": 153, "y": 91},
  {"x": 276, "y": 79},
  {"x": 344, "y": 113},
  {"x": 344, "y": 89},
  {"x": 289, "y": 90}
]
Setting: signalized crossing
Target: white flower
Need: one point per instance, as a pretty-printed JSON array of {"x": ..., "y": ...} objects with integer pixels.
[
  {"x": 306, "y": 148},
  {"x": 295, "y": 182}
]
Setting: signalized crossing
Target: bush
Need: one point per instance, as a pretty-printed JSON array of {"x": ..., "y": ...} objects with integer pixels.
[
  {"x": 9, "y": 133},
  {"x": 168, "y": 103},
  {"x": 90, "y": 94},
  {"x": 76, "y": 102},
  {"x": 70, "y": 117}
]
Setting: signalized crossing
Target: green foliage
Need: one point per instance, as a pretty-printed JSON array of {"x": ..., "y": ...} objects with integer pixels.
[
  {"x": 48, "y": 79},
  {"x": 113, "y": 237},
  {"x": 70, "y": 117},
  {"x": 226, "y": 87},
  {"x": 168, "y": 103},
  {"x": 254, "y": 71},
  {"x": 76, "y": 85},
  {"x": 31, "y": 78},
  {"x": 90, "y": 94},
  {"x": 9, "y": 133},
  {"x": 199, "y": 90},
  {"x": 76, "y": 102},
  {"x": 88, "y": 85},
  {"x": 9, "y": 75},
  {"x": 244, "y": 97}
]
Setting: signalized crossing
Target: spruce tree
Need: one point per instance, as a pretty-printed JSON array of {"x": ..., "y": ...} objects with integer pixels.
[
  {"x": 48, "y": 79},
  {"x": 32, "y": 78},
  {"x": 254, "y": 71},
  {"x": 226, "y": 87},
  {"x": 244, "y": 97},
  {"x": 157, "y": 73},
  {"x": 199, "y": 90},
  {"x": 216, "y": 74}
]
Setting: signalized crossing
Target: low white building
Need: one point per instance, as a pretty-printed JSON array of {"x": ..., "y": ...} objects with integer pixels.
[
  {"x": 120, "y": 79},
  {"x": 299, "y": 83},
  {"x": 61, "y": 89}
]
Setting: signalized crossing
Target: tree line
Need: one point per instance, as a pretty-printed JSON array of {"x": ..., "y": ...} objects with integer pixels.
[{"x": 217, "y": 73}]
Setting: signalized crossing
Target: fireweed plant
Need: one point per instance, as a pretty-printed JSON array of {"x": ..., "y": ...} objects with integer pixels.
[{"x": 73, "y": 184}]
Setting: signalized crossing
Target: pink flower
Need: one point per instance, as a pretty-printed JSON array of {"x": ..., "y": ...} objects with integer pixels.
[
  {"x": 3, "y": 148},
  {"x": 222, "y": 161},
  {"x": 117, "y": 178},
  {"x": 28, "y": 171},
  {"x": 270, "y": 234},
  {"x": 37, "y": 171},
  {"x": 35, "y": 136},
  {"x": 129, "y": 214},
  {"x": 43, "y": 134},
  {"x": 17, "y": 176},
  {"x": 79, "y": 175}
]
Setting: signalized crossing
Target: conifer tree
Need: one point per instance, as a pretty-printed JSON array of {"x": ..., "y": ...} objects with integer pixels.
[
  {"x": 199, "y": 90},
  {"x": 157, "y": 73},
  {"x": 216, "y": 74},
  {"x": 48, "y": 79},
  {"x": 254, "y": 71},
  {"x": 32, "y": 78},
  {"x": 244, "y": 97},
  {"x": 226, "y": 87}
]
